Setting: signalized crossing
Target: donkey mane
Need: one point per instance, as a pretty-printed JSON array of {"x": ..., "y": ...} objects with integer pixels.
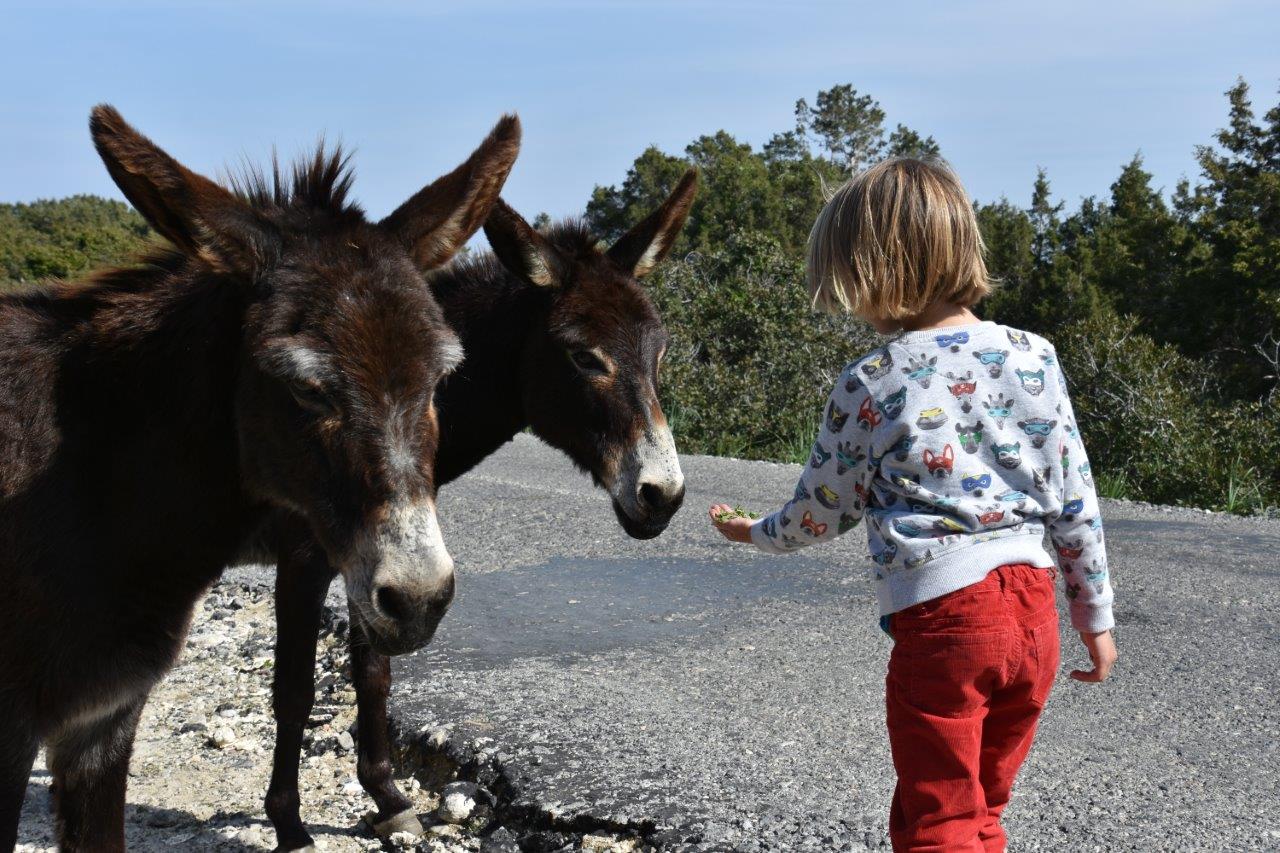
[
  {"x": 573, "y": 237},
  {"x": 318, "y": 182},
  {"x": 482, "y": 270}
]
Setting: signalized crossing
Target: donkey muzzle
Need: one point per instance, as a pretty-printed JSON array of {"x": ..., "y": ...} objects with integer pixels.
[
  {"x": 650, "y": 486},
  {"x": 407, "y": 583}
]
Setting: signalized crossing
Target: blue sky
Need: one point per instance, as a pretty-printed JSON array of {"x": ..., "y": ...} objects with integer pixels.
[{"x": 1003, "y": 86}]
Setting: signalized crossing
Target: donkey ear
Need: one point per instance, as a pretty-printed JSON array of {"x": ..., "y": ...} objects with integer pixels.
[
  {"x": 191, "y": 211},
  {"x": 521, "y": 249},
  {"x": 640, "y": 249},
  {"x": 441, "y": 217}
]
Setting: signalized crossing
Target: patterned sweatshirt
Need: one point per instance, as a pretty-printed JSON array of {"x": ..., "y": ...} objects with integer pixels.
[{"x": 960, "y": 447}]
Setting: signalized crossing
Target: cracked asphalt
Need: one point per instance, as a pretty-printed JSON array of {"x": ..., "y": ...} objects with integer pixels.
[{"x": 712, "y": 697}]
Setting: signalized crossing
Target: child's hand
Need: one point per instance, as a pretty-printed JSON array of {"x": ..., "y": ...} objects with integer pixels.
[
  {"x": 734, "y": 523},
  {"x": 1102, "y": 651}
]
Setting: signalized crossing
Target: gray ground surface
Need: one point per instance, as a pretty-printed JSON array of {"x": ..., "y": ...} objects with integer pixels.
[
  {"x": 710, "y": 696},
  {"x": 689, "y": 694}
]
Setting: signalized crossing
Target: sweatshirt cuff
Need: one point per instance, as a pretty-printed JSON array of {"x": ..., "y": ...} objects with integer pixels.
[
  {"x": 1092, "y": 618},
  {"x": 764, "y": 543}
]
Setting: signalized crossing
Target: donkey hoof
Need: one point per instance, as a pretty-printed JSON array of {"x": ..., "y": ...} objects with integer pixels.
[
  {"x": 405, "y": 821},
  {"x": 310, "y": 848}
]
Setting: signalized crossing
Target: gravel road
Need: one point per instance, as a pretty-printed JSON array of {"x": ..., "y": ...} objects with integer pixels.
[{"x": 687, "y": 694}]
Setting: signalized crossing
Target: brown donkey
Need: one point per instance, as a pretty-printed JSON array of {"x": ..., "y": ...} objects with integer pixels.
[
  {"x": 283, "y": 355},
  {"x": 560, "y": 338}
]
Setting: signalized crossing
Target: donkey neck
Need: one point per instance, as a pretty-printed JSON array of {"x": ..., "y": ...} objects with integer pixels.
[
  {"x": 481, "y": 405},
  {"x": 141, "y": 404}
]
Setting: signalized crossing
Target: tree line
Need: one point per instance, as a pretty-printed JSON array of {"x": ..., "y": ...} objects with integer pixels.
[{"x": 1165, "y": 309}]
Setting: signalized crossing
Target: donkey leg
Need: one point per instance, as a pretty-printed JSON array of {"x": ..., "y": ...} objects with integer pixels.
[
  {"x": 17, "y": 754},
  {"x": 302, "y": 579},
  {"x": 372, "y": 675},
  {"x": 90, "y": 768}
]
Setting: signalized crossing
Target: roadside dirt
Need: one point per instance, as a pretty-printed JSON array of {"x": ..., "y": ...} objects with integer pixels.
[{"x": 203, "y": 753}]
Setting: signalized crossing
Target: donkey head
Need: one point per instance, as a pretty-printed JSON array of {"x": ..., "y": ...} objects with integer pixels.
[
  {"x": 341, "y": 348},
  {"x": 591, "y": 385}
]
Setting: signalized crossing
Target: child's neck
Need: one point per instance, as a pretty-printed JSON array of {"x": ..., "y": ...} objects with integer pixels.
[{"x": 939, "y": 316}]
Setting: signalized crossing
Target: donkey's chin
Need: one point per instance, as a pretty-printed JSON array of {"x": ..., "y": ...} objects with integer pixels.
[
  {"x": 398, "y": 642},
  {"x": 392, "y": 637},
  {"x": 387, "y": 639},
  {"x": 640, "y": 525}
]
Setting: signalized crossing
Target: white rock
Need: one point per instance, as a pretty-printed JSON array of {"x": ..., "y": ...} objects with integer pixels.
[
  {"x": 209, "y": 640},
  {"x": 346, "y": 742},
  {"x": 444, "y": 830},
  {"x": 456, "y": 807},
  {"x": 605, "y": 844},
  {"x": 250, "y": 835},
  {"x": 402, "y": 840},
  {"x": 222, "y": 737}
]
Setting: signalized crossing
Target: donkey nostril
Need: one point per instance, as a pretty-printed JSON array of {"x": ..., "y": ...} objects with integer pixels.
[
  {"x": 652, "y": 496},
  {"x": 392, "y": 603}
]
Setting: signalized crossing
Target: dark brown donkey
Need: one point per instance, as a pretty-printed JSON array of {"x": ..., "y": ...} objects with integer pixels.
[
  {"x": 560, "y": 338},
  {"x": 283, "y": 354}
]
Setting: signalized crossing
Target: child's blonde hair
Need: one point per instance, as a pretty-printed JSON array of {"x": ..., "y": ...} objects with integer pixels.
[{"x": 894, "y": 239}]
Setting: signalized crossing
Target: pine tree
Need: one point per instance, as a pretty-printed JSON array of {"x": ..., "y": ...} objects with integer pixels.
[
  {"x": 849, "y": 127},
  {"x": 1239, "y": 219},
  {"x": 905, "y": 142},
  {"x": 612, "y": 210}
]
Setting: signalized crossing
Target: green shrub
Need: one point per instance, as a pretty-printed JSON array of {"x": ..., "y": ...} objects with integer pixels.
[
  {"x": 750, "y": 363},
  {"x": 66, "y": 238},
  {"x": 1154, "y": 425},
  {"x": 1247, "y": 473}
]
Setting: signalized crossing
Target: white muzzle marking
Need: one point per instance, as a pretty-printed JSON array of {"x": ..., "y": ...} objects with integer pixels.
[
  {"x": 652, "y": 461},
  {"x": 406, "y": 552}
]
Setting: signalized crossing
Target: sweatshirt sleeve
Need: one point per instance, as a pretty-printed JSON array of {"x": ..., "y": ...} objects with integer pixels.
[
  {"x": 832, "y": 493},
  {"x": 1076, "y": 532}
]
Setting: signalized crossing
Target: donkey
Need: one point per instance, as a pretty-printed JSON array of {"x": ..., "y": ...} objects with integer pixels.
[
  {"x": 560, "y": 338},
  {"x": 282, "y": 355}
]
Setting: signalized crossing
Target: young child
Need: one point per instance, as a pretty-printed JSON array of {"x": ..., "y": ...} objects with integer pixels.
[{"x": 957, "y": 442}]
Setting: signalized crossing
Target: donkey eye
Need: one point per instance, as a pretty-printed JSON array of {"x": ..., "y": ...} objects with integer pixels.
[
  {"x": 314, "y": 400},
  {"x": 588, "y": 362}
]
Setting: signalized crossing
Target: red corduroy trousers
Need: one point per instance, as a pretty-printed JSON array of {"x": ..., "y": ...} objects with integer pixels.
[{"x": 968, "y": 678}]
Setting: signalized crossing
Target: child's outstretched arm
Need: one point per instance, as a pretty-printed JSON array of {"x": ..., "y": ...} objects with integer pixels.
[
  {"x": 1077, "y": 535},
  {"x": 831, "y": 495}
]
